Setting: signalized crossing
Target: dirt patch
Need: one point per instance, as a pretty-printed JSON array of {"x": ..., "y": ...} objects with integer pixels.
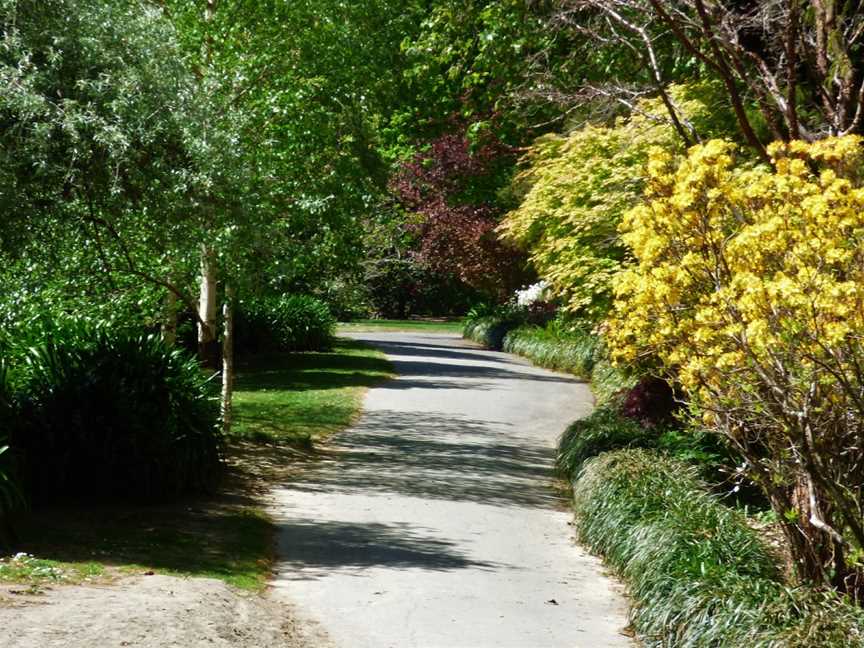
[
  {"x": 113, "y": 609},
  {"x": 148, "y": 612}
]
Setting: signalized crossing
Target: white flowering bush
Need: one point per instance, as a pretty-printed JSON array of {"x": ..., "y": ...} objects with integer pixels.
[{"x": 532, "y": 294}]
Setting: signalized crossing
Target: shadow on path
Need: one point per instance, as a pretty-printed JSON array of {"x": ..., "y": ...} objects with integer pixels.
[
  {"x": 434, "y": 372},
  {"x": 423, "y": 454},
  {"x": 313, "y": 548}
]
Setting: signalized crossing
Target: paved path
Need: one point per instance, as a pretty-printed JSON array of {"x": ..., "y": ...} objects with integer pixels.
[{"x": 435, "y": 521}]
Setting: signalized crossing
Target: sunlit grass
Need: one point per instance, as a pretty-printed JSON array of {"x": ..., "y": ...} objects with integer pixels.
[
  {"x": 420, "y": 326},
  {"x": 37, "y": 573},
  {"x": 296, "y": 398}
]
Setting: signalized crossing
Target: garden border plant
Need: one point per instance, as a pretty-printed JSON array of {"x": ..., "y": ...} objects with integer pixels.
[
  {"x": 700, "y": 576},
  {"x": 747, "y": 289},
  {"x": 284, "y": 323},
  {"x": 105, "y": 414}
]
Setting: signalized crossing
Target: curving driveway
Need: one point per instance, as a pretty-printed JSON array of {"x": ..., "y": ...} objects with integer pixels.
[{"x": 435, "y": 521}]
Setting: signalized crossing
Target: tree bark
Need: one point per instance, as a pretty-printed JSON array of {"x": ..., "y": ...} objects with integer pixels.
[
  {"x": 208, "y": 345},
  {"x": 817, "y": 557},
  {"x": 227, "y": 359}
]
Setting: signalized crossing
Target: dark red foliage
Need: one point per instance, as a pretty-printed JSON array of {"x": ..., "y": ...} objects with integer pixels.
[
  {"x": 448, "y": 168},
  {"x": 651, "y": 402},
  {"x": 451, "y": 188}
]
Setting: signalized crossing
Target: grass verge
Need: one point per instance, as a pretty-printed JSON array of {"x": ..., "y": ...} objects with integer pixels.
[
  {"x": 207, "y": 539},
  {"x": 699, "y": 575},
  {"x": 284, "y": 399},
  {"x": 298, "y": 398},
  {"x": 418, "y": 325}
]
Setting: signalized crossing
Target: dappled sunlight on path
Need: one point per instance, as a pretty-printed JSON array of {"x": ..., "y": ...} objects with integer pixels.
[{"x": 436, "y": 519}]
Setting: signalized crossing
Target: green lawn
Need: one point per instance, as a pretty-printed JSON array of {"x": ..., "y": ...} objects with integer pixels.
[
  {"x": 297, "y": 398},
  {"x": 215, "y": 539},
  {"x": 287, "y": 400},
  {"x": 419, "y": 325}
]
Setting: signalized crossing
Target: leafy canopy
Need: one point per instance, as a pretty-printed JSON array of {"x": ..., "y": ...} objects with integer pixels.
[{"x": 575, "y": 189}]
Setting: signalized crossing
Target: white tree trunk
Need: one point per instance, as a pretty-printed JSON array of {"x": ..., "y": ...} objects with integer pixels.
[
  {"x": 227, "y": 358},
  {"x": 207, "y": 308}
]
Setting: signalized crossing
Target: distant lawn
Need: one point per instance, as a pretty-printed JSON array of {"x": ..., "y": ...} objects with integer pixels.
[
  {"x": 289, "y": 400},
  {"x": 296, "y": 398},
  {"x": 419, "y": 325}
]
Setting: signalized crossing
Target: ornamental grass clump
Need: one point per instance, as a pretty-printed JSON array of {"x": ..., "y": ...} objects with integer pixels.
[
  {"x": 488, "y": 331},
  {"x": 572, "y": 352},
  {"x": 601, "y": 431},
  {"x": 488, "y": 325},
  {"x": 114, "y": 416},
  {"x": 748, "y": 291},
  {"x": 698, "y": 574},
  {"x": 284, "y": 323}
]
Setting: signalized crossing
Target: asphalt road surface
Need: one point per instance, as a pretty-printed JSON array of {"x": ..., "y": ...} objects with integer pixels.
[{"x": 436, "y": 522}]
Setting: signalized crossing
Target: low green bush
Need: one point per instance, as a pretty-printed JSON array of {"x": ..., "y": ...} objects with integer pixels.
[
  {"x": 10, "y": 493},
  {"x": 488, "y": 324},
  {"x": 606, "y": 428},
  {"x": 112, "y": 415},
  {"x": 601, "y": 431},
  {"x": 489, "y": 331},
  {"x": 699, "y": 575},
  {"x": 573, "y": 352},
  {"x": 607, "y": 379},
  {"x": 284, "y": 323}
]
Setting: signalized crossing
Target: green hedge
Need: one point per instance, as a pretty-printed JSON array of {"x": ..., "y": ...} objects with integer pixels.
[
  {"x": 573, "y": 353},
  {"x": 284, "y": 323},
  {"x": 699, "y": 575},
  {"x": 106, "y": 415}
]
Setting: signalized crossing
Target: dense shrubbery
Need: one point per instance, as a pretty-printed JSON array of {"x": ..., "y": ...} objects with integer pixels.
[
  {"x": 575, "y": 188},
  {"x": 401, "y": 287},
  {"x": 747, "y": 290},
  {"x": 10, "y": 495},
  {"x": 284, "y": 323},
  {"x": 699, "y": 575},
  {"x": 113, "y": 415},
  {"x": 571, "y": 351}
]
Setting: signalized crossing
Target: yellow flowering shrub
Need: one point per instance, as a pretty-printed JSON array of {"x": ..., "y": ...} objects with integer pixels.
[
  {"x": 748, "y": 287},
  {"x": 575, "y": 188}
]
